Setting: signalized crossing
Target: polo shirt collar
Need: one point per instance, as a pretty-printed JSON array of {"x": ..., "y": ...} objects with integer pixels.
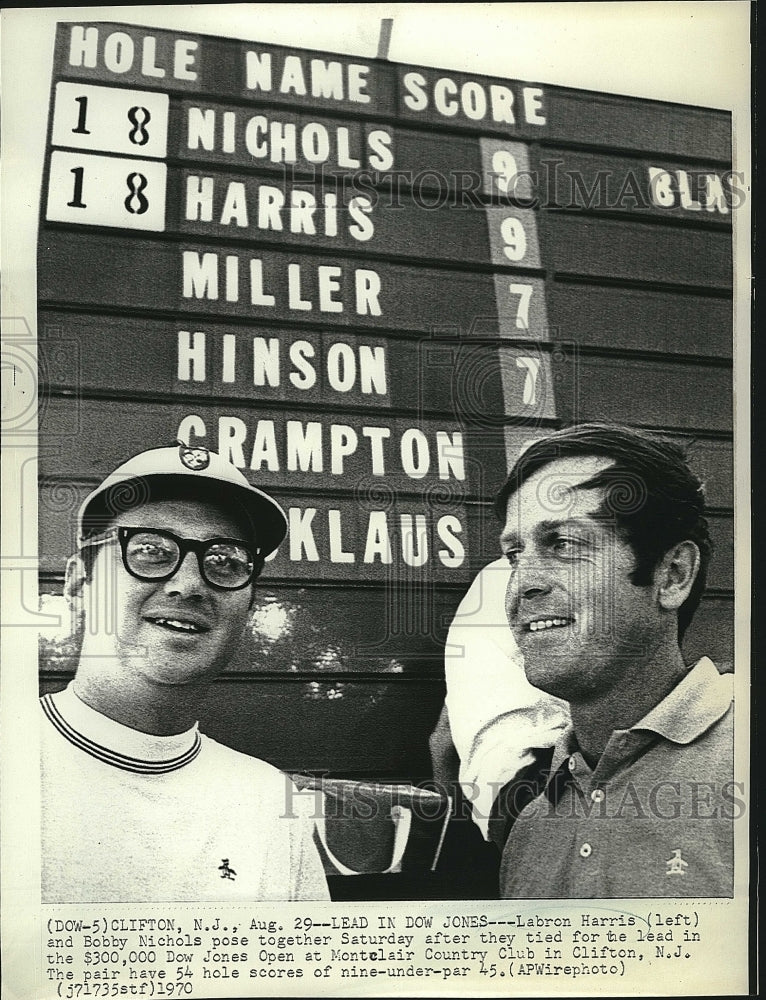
[{"x": 697, "y": 702}]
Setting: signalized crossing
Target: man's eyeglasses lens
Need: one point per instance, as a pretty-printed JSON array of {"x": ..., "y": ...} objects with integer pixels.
[{"x": 153, "y": 556}]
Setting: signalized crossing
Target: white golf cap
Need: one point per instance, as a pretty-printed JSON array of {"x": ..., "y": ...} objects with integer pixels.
[{"x": 183, "y": 472}]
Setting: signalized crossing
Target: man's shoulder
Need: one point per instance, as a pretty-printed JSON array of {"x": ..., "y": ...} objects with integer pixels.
[
  {"x": 237, "y": 763},
  {"x": 252, "y": 787}
]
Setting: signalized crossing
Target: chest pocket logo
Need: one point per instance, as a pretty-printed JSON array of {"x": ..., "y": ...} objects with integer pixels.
[{"x": 226, "y": 871}]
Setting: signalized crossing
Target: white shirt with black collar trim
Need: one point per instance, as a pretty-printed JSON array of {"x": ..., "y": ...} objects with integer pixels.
[{"x": 128, "y": 816}]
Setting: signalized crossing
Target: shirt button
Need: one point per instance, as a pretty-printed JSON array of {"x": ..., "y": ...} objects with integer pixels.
[
  {"x": 585, "y": 851},
  {"x": 597, "y": 795},
  {"x": 571, "y": 765}
]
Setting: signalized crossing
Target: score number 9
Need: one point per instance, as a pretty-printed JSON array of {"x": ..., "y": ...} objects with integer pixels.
[
  {"x": 506, "y": 174},
  {"x": 514, "y": 238}
]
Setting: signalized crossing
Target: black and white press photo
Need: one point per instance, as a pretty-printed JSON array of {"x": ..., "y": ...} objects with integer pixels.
[{"x": 376, "y": 423}]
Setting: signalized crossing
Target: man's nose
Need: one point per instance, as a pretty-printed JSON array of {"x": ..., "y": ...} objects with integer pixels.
[
  {"x": 530, "y": 579},
  {"x": 186, "y": 581}
]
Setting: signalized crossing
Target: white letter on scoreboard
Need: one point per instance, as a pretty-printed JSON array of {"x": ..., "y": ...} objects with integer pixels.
[
  {"x": 265, "y": 447},
  {"x": 300, "y": 535},
  {"x": 232, "y": 432},
  {"x": 199, "y": 198},
  {"x": 83, "y": 46},
  {"x": 337, "y": 555},
  {"x": 326, "y": 80},
  {"x": 357, "y": 83},
  {"x": 304, "y": 376},
  {"x": 343, "y": 442},
  {"x": 378, "y": 541},
  {"x": 191, "y": 356},
  {"x": 118, "y": 52},
  {"x": 367, "y": 292},
  {"x": 304, "y": 446},
  {"x": 200, "y": 129},
  {"x": 416, "y": 99},
  {"x": 447, "y": 527},
  {"x": 200, "y": 275},
  {"x": 533, "y": 102},
  {"x": 184, "y": 58},
  {"x": 449, "y": 450},
  {"x": 258, "y": 70},
  {"x": 191, "y": 425},
  {"x": 661, "y": 187},
  {"x": 266, "y": 361}
]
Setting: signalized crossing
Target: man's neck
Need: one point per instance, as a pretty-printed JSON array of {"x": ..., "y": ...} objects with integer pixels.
[
  {"x": 595, "y": 721},
  {"x": 159, "y": 710}
]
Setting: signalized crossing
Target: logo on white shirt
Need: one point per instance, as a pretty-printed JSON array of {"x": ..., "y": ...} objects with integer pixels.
[
  {"x": 226, "y": 871},
  {"x": 676, "y": 864}
]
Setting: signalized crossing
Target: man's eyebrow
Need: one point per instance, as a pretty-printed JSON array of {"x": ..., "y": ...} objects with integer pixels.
[
  {"x": 567, "y": 522},
  {"x": 509, "y": 538}
]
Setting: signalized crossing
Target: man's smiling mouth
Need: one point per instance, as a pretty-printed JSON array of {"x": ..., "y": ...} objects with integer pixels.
[
  {"x": 181, "y": 625},
  {"x": 544, "y": 624}
]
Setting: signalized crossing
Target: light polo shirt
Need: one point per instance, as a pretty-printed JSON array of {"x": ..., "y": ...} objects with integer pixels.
[{"x": 653, "y": 818}]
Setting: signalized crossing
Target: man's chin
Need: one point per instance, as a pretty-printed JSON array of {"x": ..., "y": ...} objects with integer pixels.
[
  {"x": 555, "y": 675},
  {"x": 171, "y": 675}
]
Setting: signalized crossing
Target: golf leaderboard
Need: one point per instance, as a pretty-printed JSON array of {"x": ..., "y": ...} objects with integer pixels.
[{"x": 368, "y": 284}]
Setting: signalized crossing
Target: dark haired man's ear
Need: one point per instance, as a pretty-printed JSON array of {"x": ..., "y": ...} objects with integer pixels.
[{"x": 676, "y": 573}]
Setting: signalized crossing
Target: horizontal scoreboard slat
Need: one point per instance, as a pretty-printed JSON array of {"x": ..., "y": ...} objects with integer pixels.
[
  {"x": 650, "y": 392},
  {"x": 617, "y": 250},
  {"x": 63, "y": 419},
  {"x": 639, "y": 319},
  {"x": 369, "y": 285},
  {"x": 170, "y": 62},
  {"x": 310, "y": 449},
  {"x": 247, "y": 208},
  {"x": 477, "y": 382},
  {"x": 141, "y": 275},
  {"x": 644, "y": 187},
  {"x": 313, "y": 630},
  {"x": 370, "y": 535}
]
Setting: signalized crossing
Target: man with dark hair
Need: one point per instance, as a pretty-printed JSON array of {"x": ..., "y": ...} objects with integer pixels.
[
  {"x": 651, "y": 495},
  {"x": 605, "y": 535},
  {"x": 137, "y": 805}
]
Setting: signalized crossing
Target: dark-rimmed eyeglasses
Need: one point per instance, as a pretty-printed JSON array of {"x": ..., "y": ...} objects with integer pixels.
[{"x": 154, "y": 555}]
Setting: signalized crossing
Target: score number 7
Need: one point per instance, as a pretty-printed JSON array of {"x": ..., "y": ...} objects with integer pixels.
[
  {"x": 531, "y": 369},
  {"x": 522, "y": 309}
]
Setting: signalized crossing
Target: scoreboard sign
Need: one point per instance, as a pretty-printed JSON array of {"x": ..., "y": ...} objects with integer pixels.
[{"x": 367, "y": 285}]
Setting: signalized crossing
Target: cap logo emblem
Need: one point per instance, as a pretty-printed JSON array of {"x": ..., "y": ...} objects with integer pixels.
[{"x": 194, "y": 458}]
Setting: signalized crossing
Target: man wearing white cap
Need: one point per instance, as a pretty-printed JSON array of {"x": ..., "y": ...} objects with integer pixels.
[{"x": 137, "y": 804}]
